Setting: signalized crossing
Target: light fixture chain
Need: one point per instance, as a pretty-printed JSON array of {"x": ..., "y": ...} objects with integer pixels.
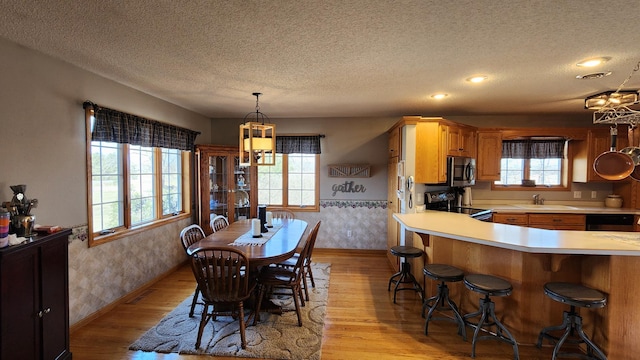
[{"x": 629, "y": 77}]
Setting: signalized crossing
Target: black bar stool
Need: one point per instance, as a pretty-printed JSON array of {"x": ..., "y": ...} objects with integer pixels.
[
  {"x": 489, "y": 285},
  {"x": 573, "y": 295},
  {"x": 441, "y": 301},
  {"x": 404, "y": 276}
]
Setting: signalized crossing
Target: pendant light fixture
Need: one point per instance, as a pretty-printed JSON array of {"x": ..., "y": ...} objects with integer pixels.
[{"x": 257, "y": 139}]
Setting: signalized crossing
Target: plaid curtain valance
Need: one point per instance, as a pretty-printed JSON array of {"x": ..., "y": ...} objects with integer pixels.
[
  {"x": 116, "y": 126},
  {"x": 294, "y": 144},
  {"x": 533, "y": 149}
]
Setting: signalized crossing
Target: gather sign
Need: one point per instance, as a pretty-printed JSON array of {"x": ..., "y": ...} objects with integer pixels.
[{"x": 348, "y": 187}]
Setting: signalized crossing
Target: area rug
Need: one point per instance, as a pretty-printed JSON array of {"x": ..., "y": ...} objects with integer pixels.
[{"x": 274, "y": 337}]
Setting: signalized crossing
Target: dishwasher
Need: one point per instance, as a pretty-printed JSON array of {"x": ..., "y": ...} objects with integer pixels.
[{"x": 610, "y": 222}]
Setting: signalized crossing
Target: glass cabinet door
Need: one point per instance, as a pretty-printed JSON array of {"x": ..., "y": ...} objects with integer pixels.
[
  {"x": 242, "y": 180},
  {"x": 219, "y": 186}
]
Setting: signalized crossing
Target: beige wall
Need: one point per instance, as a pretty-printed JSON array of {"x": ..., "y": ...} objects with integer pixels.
[{"x": 42, "y": 136}]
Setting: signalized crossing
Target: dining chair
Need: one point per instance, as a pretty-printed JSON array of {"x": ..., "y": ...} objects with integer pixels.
[
  {"x": 282, "y": 214},
  {"x": 224, "y": 285},
  {"x": 271, "y": 277},
  {"x": 306, "y": 267},
  {"x": 218, "y": 223},
  {"x": 188, "y": 236}
]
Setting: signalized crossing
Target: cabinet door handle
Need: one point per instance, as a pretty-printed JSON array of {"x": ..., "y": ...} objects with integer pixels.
[{"x": 41, "y": 313}]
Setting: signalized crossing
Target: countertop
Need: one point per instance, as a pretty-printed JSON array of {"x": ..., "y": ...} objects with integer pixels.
[
  {"x": 555, "y": 209},
  {"x": 532, "y": 240}
]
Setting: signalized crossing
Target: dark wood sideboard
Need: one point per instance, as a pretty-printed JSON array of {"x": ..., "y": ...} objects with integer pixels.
[{"x": 34, "y": 299}]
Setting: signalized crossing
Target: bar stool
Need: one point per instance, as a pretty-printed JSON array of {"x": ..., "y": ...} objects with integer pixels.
[
  {"x": 441, "y": 301},
  {"x": 489, "y": 285},
  {"x": 573, "y": 295},
  {"x": 404, "y": 276}
]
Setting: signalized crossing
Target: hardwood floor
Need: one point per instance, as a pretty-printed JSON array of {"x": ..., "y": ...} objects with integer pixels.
[{"x": 362, "y": 322}]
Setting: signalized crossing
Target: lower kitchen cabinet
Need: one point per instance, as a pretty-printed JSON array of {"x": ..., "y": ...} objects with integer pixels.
[
  {"x": 511, "y": 219},
  {"x": 558, "y": 221},
  {"x": 34, "y": 299}
]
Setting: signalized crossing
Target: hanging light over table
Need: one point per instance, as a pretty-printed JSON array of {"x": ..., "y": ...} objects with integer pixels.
[{"x": 257, "y": 139}]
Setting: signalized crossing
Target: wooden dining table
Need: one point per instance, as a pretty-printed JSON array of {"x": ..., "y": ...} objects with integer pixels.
[{"x": 281, "y": 245}]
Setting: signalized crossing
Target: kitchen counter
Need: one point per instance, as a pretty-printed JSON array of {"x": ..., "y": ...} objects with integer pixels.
[
  {"x": 531, "y": 257},
  {"x": 555, "y": 208},
  {"x": 531, "y": 240}
]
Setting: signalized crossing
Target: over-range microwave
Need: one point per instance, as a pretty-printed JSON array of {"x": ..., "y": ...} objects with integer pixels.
[{"x": 461, "y": 171}]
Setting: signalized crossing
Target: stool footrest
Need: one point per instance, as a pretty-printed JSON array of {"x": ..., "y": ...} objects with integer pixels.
[
  {"x": 488, "y": 318},
  {"x": 572, "y": 326}
]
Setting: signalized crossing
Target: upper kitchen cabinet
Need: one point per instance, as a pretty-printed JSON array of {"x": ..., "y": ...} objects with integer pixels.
[
  {"x": 461, "y": 140},
  {"x": 224, "y": 188},
  {"x": 586, "y": 151},
  {"x": 489, "y": 155},
  {"x": 395, "y": 142}
]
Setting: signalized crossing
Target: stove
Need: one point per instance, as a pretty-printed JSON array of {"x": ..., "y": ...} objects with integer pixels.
[{"x": 443, "y": 201}]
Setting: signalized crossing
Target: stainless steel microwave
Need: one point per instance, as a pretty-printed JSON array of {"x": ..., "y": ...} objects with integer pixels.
[{"x": 461, "y": 171}]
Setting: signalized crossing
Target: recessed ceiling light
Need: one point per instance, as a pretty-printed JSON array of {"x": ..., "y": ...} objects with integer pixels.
[
  {"x": 439, "y": 96},
  {"x": 593, "y": 62},
  {"x": 477, "y": 78}
]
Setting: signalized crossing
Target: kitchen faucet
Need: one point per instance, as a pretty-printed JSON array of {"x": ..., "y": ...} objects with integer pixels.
[{"x": 537, "y": 200}]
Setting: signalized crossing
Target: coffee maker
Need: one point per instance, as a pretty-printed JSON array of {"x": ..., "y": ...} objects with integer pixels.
[{"x": 19, "y": 208}]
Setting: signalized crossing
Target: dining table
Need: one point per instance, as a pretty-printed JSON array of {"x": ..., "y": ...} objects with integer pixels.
[
  {"x": 279, "y": 243},
  {"x": 276, "y": 245}
]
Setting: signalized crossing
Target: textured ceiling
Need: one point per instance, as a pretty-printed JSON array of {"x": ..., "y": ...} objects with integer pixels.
[{"x": 341, "y": 58}]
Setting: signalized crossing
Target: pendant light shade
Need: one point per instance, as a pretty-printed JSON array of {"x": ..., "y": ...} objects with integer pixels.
[{"x": 257, "y": 139}]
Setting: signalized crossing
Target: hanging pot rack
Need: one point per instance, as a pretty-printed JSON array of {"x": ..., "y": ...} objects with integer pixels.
[{"x": 614, "y": 114}]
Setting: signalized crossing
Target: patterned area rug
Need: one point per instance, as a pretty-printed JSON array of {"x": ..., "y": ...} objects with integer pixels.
[{"x": 274, "y": 337}]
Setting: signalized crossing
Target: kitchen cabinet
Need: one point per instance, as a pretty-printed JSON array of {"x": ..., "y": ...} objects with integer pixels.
[
  {"x": 393, "y": 206},
  {"x": 461, "y": 140},
  {"x": 34, "y": 301},
  {"x": 511, "y": 219},
  {"x": 395, "y": 143},
  {"x": 489, "y": 155},
  {"x": 224, "y": 187},
  {"x": 586, "y": 151},
  {"x": 431, "y": 152},
  {"x": 558, "y": 221}
]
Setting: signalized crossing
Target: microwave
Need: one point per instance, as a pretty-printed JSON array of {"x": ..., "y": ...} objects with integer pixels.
[{"x": 461, "y": 171}]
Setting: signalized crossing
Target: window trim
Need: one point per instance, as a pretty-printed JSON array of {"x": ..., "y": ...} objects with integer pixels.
[
  {"x": 120, "y": 232},
  {"x": 285, "y": 188}
]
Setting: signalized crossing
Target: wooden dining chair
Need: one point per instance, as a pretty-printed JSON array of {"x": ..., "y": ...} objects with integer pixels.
[
  {"x": 188, "y": 236},
  {"x": 306, "y": 267},
  {"x": 282, "y": 214},
  {"x": 218, "y": 223},
  {"x": 271, "y": 277},
  {"x": 224, "y": 285}
]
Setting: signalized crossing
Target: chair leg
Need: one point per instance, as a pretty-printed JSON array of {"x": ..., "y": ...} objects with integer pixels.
[
  {"x": 313, "y": 283},
  {"x": 261, "y": 294},
  {"x": 304, "y": 283},
  {"x": 203, "y": 322},
  {"x": 297, "y": 295},
  {"x": 194, "y": 301},
  {"x": 572, "y": 325},
  {"x": 243, "y": 340},
  {"x": 487, "y": 312}
]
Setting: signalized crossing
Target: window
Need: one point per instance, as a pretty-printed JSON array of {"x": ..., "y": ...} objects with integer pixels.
[
  {"x": 542, "y": 161},
  {"x": 132, "y": 187},
  {"x": 291, "y": 183}
]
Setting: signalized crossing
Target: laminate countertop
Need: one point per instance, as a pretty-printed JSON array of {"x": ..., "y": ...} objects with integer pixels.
[
  {"x": 531, "y": 240},
  {"x": 555, "y": 209}
]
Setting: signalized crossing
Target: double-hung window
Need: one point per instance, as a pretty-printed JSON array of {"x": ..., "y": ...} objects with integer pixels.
[
  {"x": 531, "y": 163},
  {"x": 293, "y": 182},
  {"x": 135, "y": 180}
]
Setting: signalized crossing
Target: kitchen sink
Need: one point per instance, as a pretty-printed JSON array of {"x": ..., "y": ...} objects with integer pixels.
[{"x": 545, "y": 207}]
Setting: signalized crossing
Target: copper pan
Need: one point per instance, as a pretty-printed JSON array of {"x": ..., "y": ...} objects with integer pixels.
[{"x": 612, "y": 164}]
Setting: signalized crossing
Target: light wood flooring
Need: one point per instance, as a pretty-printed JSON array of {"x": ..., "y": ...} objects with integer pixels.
[{"x": 362, "y": 322}]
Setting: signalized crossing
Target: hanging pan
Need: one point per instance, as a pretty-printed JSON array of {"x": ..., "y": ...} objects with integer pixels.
[
  {"x": 634, "y": 151},
  {"x": 613, "y": 165}
]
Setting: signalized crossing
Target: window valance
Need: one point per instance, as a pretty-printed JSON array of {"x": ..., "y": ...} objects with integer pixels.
[
  {"x": 116, "y": 126},
  {"x": 298, "y": 144},
  {"x": 533, "y": 149}
]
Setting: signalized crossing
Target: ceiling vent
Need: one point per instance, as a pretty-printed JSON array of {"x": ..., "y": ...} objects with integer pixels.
[{"x": 597, "y": 75}]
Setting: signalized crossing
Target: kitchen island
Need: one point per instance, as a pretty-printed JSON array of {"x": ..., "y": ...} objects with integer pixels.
[{"x": 530, "y": 257}]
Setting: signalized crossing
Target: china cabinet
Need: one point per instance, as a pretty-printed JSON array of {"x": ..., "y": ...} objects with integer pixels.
[
  {"x": 34, "y": 301},
  {"x": 224, "y": 187}
]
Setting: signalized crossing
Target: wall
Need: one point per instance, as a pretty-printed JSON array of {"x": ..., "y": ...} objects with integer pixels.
[
  {"x": 349, "y": 220},
  {"x": 43, "y": 146}
]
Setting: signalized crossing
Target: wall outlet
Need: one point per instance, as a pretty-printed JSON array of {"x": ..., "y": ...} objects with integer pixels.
[
  {"x": 577, "y": 194},
  {"x": 594, "y": 194},
  {"x": 349, "y": 233}
]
